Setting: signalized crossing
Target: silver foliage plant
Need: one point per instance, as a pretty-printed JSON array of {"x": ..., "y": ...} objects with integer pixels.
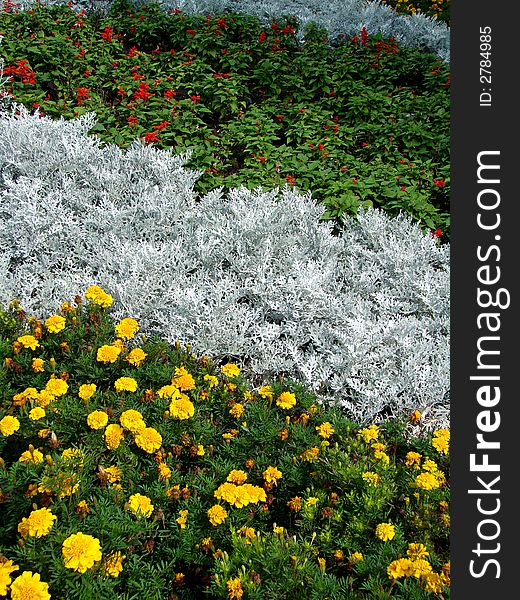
[
  {"x": 337, "y": 16},
  {"x": 363, "y": 317}
]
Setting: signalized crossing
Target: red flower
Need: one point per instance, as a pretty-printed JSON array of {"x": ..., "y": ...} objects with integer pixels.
[
  {"x": 162, "y": 125},
  {"x": 195, "y": 99},
  {"x": 439, "y": 182},
  {"x": 262, "y": 159},
  {"x": 143, "y": 93},
  {"x": 151, "y": 137},
  {"x": 132, "y": 120},
  {"x": 262, "y": 37},
  {"x": 169, "y": 93},
  {"x": 344, "y": 169},
  {"x": 279, "y": 117},
  {"x": 354, "y": 180},
  {"x": 83, "y": 94},
  {"x": 320, "y": 146},
  {"x": 132, "y": 52},
  {"x": 107, "y": 34},
  {"x": 437, "y": 233},
  {"x": 191, "y": 31}
]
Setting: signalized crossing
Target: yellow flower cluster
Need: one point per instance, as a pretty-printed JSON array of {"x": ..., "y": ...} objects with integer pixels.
[
  {"x": 234, "y": 589},
  {"x": 441, "y": 441},
  {"x": 55, "y": 324},
  {"x": 113, "y": 563},
  {"x": 136, "y": 357},
  {"x": 182, "y": 518},
  {"x": 98, "y": 296},
  {"x": 114, "y": 435},
  {"x": 108, "y": 354},
  {"x": 125, "y": 384},
  {"x": 126, "y": 328},
  {"x": 385, "y": 531},
  {"x": 286, "y": 400},
  {"x": 9, "y": 425},
  {"x": 37, "y": 524},
  {"x": 183, "y": 380},
  {"x": 182, "y": 408},
  {"x": 31, "y": 456},
  {"x": 240, "y": 495},
  {"x": 140, "y": 505},
  {"x": 370, "y": 434},
  {"x": 217, "y": 514},
  {"x": 212, "y": 380},
  {"x": 132, "y": 420},
  {"x": 325, "y": 430},
  {"x": 86, "y": 391},
  {"x": 431, "y": 478},
  {"x": 97, "y": 419},
  {"x": 237, "y": 477},
  {"x": 80, "y": 552},
  {"x": 272, "y": 474},
  {"x": 371, "y": 478},
  {"x": 148, "y": 439},
  {"x": 29, "y": 585},
  {"x": 230, "y": 370},
  {"x": 28, "y": 341}
]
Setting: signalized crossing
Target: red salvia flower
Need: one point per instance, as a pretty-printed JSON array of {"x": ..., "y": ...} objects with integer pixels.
[
  {"x": 151, "y": 137},
  {"x": 107, "y": 34}
]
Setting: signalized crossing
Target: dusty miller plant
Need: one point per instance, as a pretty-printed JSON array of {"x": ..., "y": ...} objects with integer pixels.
[
  {"x": 363, "y": 316},
  {"x": 337, "y": 16}
]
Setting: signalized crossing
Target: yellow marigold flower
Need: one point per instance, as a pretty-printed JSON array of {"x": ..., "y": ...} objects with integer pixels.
[
  {"x": 413, "y": 458},
  {"x": 401, "y": 567},
  {"x": 286, "y": 400},
  {"x": 97, "y": 419},
  {"x": 278, "y": 529},
  {"x": 37, "y": 365},
  {"x": 86, "y": 391},
  {"x": 416, "y": 416},
  {"x": 446, "y": 574},
  {"x": 183, "y": 380},
  {"x": 108, "y": 354},
  {"x": 113, "y": 563},
  {"x": 29, "y": 393},
  {"x": 217, "y": 514},
  {"x": 80, "y": 552},
  {"x": 57, "y": 387},
  {"x": 322, "y": 564},
  {"x": 55, "y": 324},
  {"x": 182, "y": 518},
  {"x": 369, "y": 434},
  {"x": 31, "y": 456},
  {"x": 339, "y": 555},
  {"x": 98, "y": 296},
  {"x": 231, "y": 434},
  {"x": 82, "y": 508},
  {"x": 272, "y": 474},
  {"x": 427, "y": 481},
  {"x": 164, "y": 471},
  {"x": 182, "y": 408},
  {"x": 37, "y": 524},
  {"x": 126, "y": 328},
  {"x": 6, "y": 568},
  {"x": 371, "y": 478},
  {"x": 310, "y": 455},
  {"x": 136, "y": 357},
  {"x": 148, "y": 439},
  {"x": 28, "y": 586},
  {"x": 433, "y": 583},
  {"x": 28, "y": 341},
  {"x": 266, "y": 392},
  {"x": 212, "y": 380},
  {"x": 125, "y": 384},
  {"x": 416, "y": 551},
  {"x": 385, "y": 531},
  {"x": 325, "y": 430},
  {"x": 113, "y": 474},
  {"x": 234, "y": 588},
  {"x": 382, "y": 456},
  {"x": 441, "y": 441},
  {"x": 230, "y": 370},
  {"x": 226, "y": 491},
  {"x": 200, "y": 450},
  {"x": 169, "y": 391},
  {"x": 311, "y": 501},
  {"x": 44, "y": 398},
  {"x": 421, "y": 567},
  {"x": 74, "y": 455},
  {"x": 237, "y": 410},
  {"x": 237, "y": 477},
  {"x": 9, "y": 425},
  {"x": 37, "y": 413},
  {"x": 132, "y": 420},
  {"x": 140, "y": 505},
  {"x": 355, "y": 557},
  {"x": 113, "y": 436},
  {"x": 255, "y": 492}
]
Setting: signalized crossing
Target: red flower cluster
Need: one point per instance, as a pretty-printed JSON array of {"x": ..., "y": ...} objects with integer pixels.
[
  {"x": 83, "y": 94},
  {"x": 107, "y": 34},
  {"x": 195, "y": 99},
  {"x": 439, "y": 182},
  {"x": 142, "y": 93},
  {"x": 22, "y": 70}
]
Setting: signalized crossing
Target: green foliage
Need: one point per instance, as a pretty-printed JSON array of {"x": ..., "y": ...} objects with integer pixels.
[
  {"x": 440, "y": 9},
  {"x": 361, "y": 123},
  {"x": 327, "y": 483}
]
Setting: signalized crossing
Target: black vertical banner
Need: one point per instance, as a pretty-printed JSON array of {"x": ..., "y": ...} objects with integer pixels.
[{"x": 485, "y": 324}]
